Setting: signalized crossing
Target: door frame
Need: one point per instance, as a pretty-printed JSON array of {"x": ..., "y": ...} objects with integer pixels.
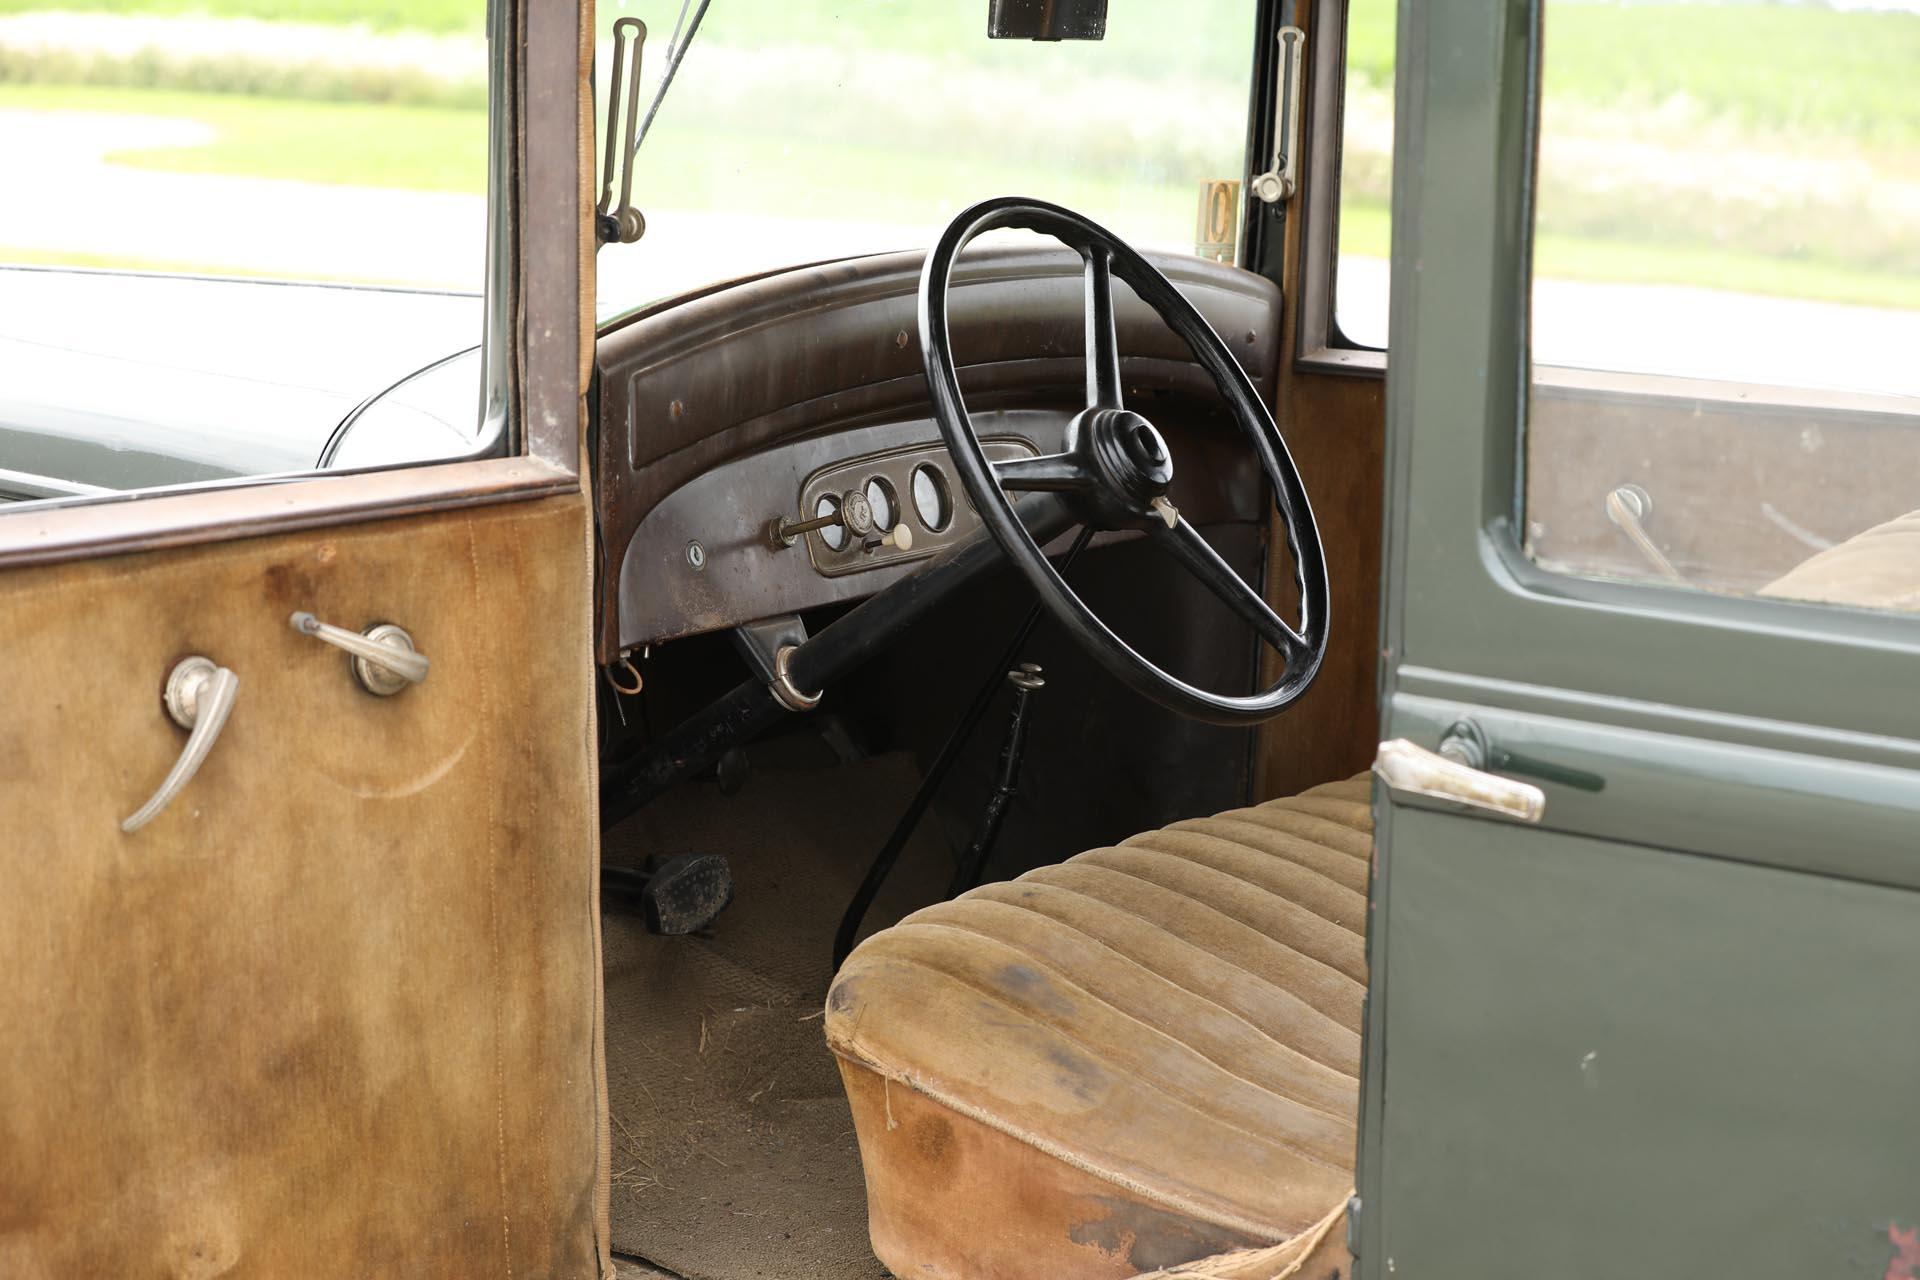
[
  {"x": 542, "y": 258},
  {"x": 1457, "y": 394}
]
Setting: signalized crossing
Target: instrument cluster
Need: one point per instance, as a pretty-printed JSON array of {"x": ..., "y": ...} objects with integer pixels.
[{"x": 885, "y": 508}]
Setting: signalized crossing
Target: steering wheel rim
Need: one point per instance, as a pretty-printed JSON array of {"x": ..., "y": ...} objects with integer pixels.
[{"x": 1116, "y": 466}]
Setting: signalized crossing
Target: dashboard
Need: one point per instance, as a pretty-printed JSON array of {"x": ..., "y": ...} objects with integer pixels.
[
  {"x": 766, "y": 447},
  {"x": 710, "y": 555}
]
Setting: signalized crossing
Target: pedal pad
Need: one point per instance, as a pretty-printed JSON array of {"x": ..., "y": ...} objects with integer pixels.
[{"x": 686, "y": 893}]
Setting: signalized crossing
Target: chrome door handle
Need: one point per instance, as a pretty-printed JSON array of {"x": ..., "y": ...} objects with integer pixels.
[
  {"x": 383, "y": 658},
  {"x": 1407, "y": 767},
  {"x": 199, "y": 697}
]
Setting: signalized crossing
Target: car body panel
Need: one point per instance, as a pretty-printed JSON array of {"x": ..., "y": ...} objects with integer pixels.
[
  {"x": 1727, "y": 782},
  {"x": 1612, "y": 1057}
]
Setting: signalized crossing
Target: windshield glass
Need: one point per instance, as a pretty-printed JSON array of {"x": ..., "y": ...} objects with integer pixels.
[{"x": 798, "y": 130}]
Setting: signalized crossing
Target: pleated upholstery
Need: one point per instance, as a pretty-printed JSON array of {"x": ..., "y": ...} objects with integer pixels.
[
  {"x": 1175, "y": 1018},
  {"x": 1876, "y": 569}
]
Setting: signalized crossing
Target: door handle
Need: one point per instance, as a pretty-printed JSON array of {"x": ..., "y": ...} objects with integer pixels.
[
  {"x": 199, "y": 697},
  {"x": 1407, "y": 767}
]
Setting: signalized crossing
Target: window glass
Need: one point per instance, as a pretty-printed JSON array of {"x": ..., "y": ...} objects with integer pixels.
[
  {"x": 799, "y": 130},
  {"x": 1366, "y": 175},
  {"x": 1726, "y": 298},
  {"x": 228, "y": 225}
]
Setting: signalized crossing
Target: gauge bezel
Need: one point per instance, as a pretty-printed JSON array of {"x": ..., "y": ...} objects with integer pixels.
[
  {"x": 890, "y": 496},
  {"x": 942, "y": 497},
  {"x": 895, "y": 466},
  {"x": 829, "y": 504}
]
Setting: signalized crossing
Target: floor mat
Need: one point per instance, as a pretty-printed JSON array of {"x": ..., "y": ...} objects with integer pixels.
[{"x": 733, "y": 1150}]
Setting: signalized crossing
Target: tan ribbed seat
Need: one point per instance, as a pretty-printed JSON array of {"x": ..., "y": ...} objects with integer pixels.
[
  {"x": 1141, "y": 1056},
  {"x": 1876, "y": 569}
]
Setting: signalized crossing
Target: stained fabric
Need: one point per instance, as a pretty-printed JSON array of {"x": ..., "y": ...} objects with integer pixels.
[
  {"x": 1876, "y": 569},
  {"x": 1174, "y": 1020},
  {"x": 334, "y": 1008}
]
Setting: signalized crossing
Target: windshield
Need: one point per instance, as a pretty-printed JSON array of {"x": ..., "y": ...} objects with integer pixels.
[{"x": 799, "y": 130}]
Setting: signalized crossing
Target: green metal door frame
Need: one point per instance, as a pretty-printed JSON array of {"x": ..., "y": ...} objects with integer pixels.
[{"x": 1459, "y": 589}]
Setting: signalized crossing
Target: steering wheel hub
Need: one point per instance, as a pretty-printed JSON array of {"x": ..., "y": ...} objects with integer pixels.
[{"x": 1128, "y": 453}]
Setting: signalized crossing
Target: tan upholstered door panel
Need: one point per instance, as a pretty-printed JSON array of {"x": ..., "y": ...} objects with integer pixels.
[{"x": 332, "y": 1012}]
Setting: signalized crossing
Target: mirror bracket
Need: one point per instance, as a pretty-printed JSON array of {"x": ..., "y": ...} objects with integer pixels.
[{"x": 1046, "y": 19}]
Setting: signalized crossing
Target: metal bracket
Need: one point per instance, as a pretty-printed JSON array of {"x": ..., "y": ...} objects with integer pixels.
[
  {"x": 621, "y": 221},
  {"x": 1282, "y": 178},
  {"x": 761, "y": 642},
  {"x": 789, "y": 694}
]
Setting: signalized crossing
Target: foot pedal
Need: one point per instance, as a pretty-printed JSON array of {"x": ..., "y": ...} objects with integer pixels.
[{"x": 683, "y": 894}]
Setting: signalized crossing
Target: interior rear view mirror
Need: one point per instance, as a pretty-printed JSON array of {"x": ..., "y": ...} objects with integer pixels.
[{"x": 1047, "y": 19}]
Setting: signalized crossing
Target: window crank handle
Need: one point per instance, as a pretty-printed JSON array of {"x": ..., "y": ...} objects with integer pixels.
[{"x": 384, "y": 659}]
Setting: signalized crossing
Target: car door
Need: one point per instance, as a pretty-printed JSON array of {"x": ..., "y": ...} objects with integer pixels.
[
  {"x": 1669, "y": 1027},
  {"x": 333, "y": 1010}
]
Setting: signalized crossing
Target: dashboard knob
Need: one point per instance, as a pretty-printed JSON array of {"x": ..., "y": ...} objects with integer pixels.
[
  {"x": 856, "y": 513},
  {"x": 900, "y": 538}
]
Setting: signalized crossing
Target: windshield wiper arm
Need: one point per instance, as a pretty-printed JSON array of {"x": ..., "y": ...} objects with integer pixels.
[{"x": 676, "y": 50}]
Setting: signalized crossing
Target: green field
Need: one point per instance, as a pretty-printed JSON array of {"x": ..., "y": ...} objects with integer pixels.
[
  {"x": 439, "y": 16},
  {"x": 1764, "y": 68},
  {"x": 1365, "y": 229},
  {"x": 424, "y": 148},
  {"x": 1802, "y": 85}
]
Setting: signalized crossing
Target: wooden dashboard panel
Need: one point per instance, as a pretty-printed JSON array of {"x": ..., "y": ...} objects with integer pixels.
[{"x": 746, "y": 371}]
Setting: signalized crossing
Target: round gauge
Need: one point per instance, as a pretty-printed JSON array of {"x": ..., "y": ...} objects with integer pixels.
[
  {"x": 931, "y": 501},
  {"x": 885, "y": 508},
  {"x": 834, "y": 535}
]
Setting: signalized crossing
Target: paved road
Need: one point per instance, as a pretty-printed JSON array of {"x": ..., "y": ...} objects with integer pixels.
[
  {"x": 1689, "y": 333},
  {"x": 82, "y": 204},
  {"x": 65, "y": 197}
]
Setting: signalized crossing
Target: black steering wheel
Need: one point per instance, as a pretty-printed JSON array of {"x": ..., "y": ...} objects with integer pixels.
[{"x": 1115, "y": 469}]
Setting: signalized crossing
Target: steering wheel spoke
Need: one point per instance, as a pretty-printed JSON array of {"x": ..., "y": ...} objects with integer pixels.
[
  {"x": 1184, "y": 543},
  {"x": 1049, "y": 473},
  {"x": 1103, "y": 346}
]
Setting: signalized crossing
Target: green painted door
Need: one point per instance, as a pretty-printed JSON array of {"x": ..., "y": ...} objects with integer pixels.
[{"x": 1674, "y": 1028}]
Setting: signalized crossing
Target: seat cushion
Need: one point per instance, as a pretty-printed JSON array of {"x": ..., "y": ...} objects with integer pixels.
[
  {"x": 1877, "y": 569},
  {"x": 1141, "y": 1056}
]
